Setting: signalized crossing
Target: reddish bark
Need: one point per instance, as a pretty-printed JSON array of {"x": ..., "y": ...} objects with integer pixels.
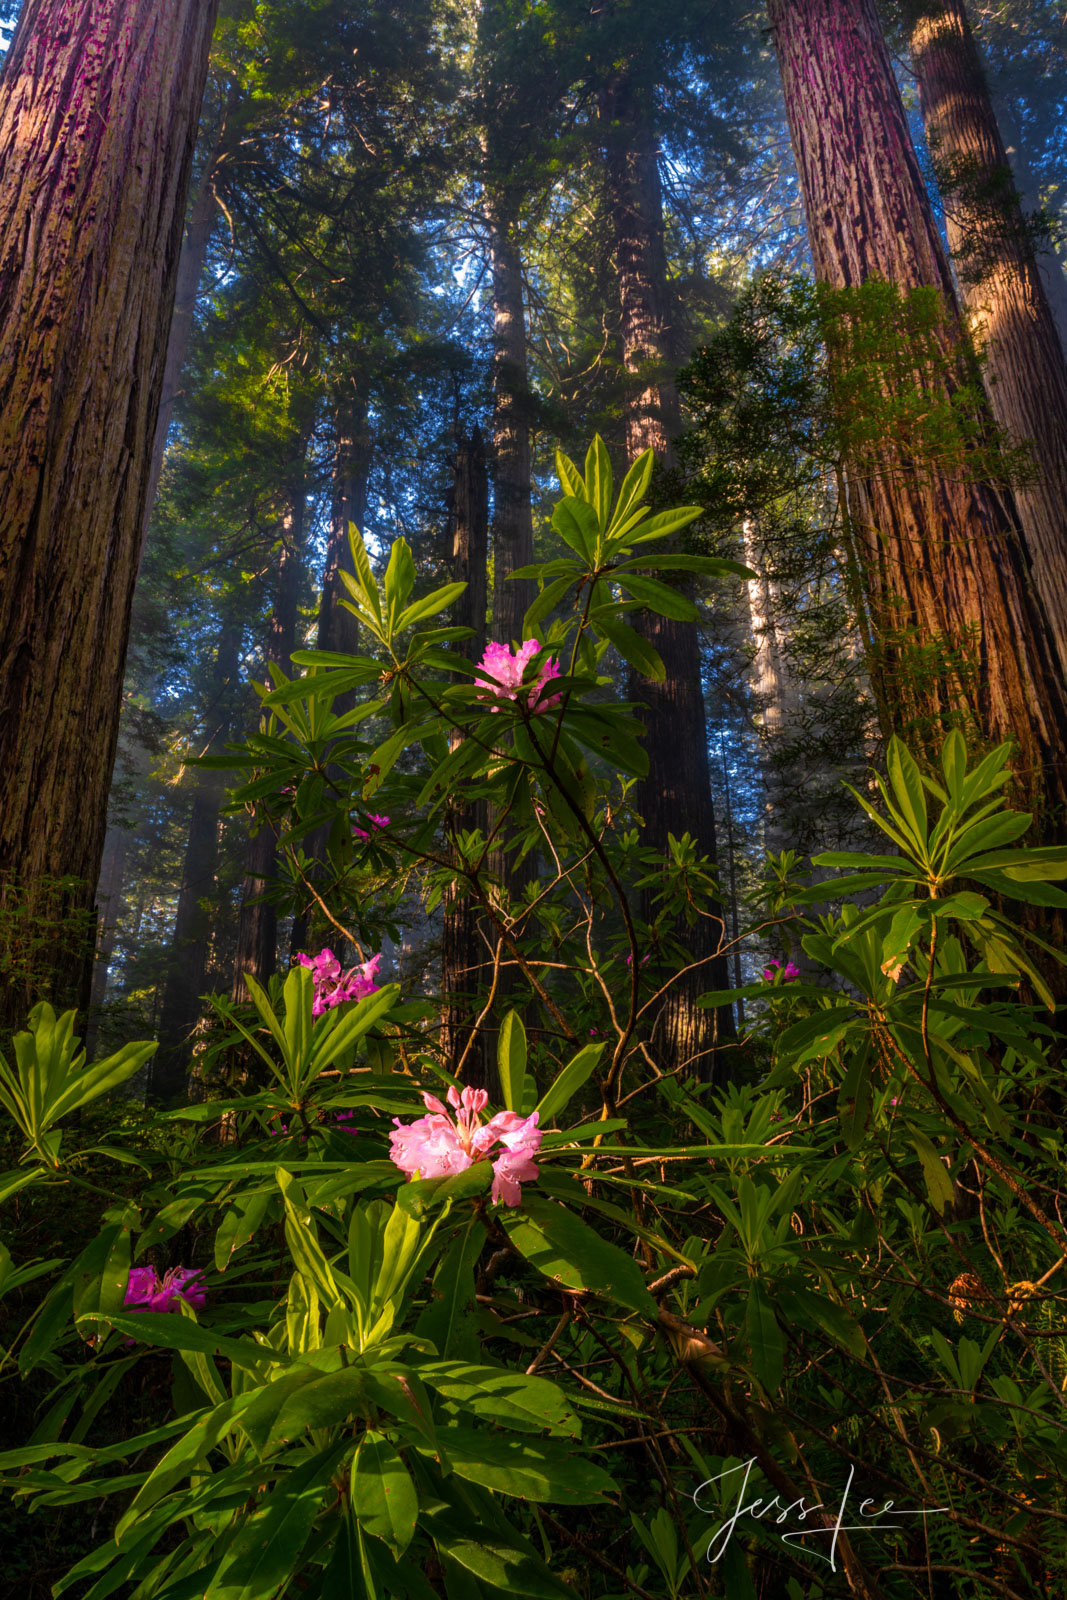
[
  {"x": 676, "y": 795},
  {"x": 98, "y": 114},
  {"x": 944, "y": 562},
  {"x": 1000, "y": 283}
]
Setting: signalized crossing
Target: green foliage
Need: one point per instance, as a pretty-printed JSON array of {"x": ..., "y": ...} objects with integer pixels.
[{"x": 421, "y": 1388}]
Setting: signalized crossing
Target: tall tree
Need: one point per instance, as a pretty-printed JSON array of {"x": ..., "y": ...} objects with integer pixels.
[
  {"x": 257, "y": 926},
  {"x": 676, "y": 795},
  {"x": 1000, "y": 283},
  {"x": 190, "y": 944},
  {"x": 98, "y": 115},
  {"x": 945, "y": 568},
  {"x": 462, "y": 948}
]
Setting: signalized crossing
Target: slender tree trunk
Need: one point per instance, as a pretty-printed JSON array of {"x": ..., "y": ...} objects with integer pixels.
[
  {"x": 98, "y": 114},
  {"x": 338, "y": 629},
  {"x": 257, "y": 925},
  {"x": 463, "y": 955},
  {"x": 108, "y": 897},
  {"x": 1050, "y": 264},
  {"x": 771, "y": 683},
  {"x": 1000, "y": 283},
  {"x": 960, "y": 634},
  {"x": 676, "y": 795},
  {"x": 353, "y": 448},
  {"x": 512, "y": 517},
  {"x": 193, "y": 922}
]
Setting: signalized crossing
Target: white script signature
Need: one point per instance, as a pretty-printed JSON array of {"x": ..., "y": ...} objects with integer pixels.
[{"x": 798, "y": 1511}]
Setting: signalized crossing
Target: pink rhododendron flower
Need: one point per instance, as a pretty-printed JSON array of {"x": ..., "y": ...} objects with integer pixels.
[
  {"x": 332, "y": 986},
  {"x": 788, "y": 974},
  {"x": 376, "y": 822},
  {"x": 441, "y": 1144},
  {"x": 500, "y": 674},
  {"x": 146, "y": 1292}
]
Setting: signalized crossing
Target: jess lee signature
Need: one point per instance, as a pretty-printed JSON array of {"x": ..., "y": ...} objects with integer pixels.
[{"x": 878, "y": 1520}]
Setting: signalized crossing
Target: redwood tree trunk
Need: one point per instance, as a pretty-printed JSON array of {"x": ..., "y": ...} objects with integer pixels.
[
  {"x": 676, "y": 795},
  {"x": 337, "y": 626},
  {"x": 1000, "y": 283},
  {"x": 945, "y": 565},
  {"x": 98, "y": 115},
  {"x": 257, "y": 925},
  {"x": 194, "y": 920},
  {"x": 462, "y": 950},
  {"x": 512, "y": 517}
]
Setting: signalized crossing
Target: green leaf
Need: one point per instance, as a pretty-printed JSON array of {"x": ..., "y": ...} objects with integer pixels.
[
  {"x": 546, "y": 601},
  {"x": 635, "y": 650},
  {"x": 570, "y": 479},
  {"x": 381, "y": 761},
  {"x": 429, "y": 605},
  {"x": 521, "y": 1401},
  {"x": 525, "y": 1468},
  {"x": 449, "y": 1321},
  {"x": 383, "y": 1495},
  {"x": 266, "y": 1549},
  {"x": 567, "y": 1082},
  {"x": 658, "y": 597},
  {"x": 765, "y": 1338},
  {"x": 634, "y": 488},
  {"x": 399, "y": 579},
  {"x": 908, "y": 790},
  {"x": 938, "y": 1182},
  {"x": 511, "y": 1060},
  {"x": 666, "y": 522},
  {"x": 599, "y": 481},
  {"x": 576, "y": 523},
  {"x": 566, "y": 1250},
  {"x": 815, "y": 1036}
]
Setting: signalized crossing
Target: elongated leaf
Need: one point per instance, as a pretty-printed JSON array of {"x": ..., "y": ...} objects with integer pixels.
[
  {"x": 938, "y": 1182},
  {"x": 267, "y": 1546},
  {"x": 383, "y": 1495},
  {"x": 429, "y": 605},
  {"x": 565, "y": 1249},
  {"x": 908, "y": 790},
  {"x": 765, "y": 1338},
  {"x": 635, "y": 650},
  {"x": 599, "y": 482},
  {"x": 634, "y": 488},
  {"x": 659, "y": 597},
  {"x": 525, "y": 1468},
  {"x": 568, "y": 1082},
  {"x": 576, "y": 523},
  {"x": 511, "y": 1060},
  {"x": 570, "y": 479},
  {"x": 546, "y": 601}
]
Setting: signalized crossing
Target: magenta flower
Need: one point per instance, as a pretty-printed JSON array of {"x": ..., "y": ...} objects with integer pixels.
[
  {"x": 332, "y": 986},
  {"x": 500, "y": 673},
  {"x": 145, "y": 1291},
  {"x": 788, "y": 974},
  {"x": 376, "y": 822},
  {"x": 441, "y": 1144},
  {"x": 630, "y": 960}
]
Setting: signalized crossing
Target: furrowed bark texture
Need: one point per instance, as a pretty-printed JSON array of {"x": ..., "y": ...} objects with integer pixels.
[
  {"x": 1000, "y": 283},
  {"x": 676, "y": 795},
  {"x": 512, "y": 518},
  {"x": 194, "y": 919},
  {"x": 1050, "y": 265},
  {"x": 463, "y": 956},
  {"x": 257, "y": 923},
  {"x": 98, "y": 114},
  {"x": 944, "y": 558}
]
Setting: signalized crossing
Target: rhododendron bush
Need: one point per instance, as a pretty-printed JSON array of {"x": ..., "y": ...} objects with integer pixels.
[{"x": 513, "y": 1308}]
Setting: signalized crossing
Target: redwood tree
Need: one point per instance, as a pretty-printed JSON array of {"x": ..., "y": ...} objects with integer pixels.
[
  {"x": 98, "y": 116},
  {"x": 676, "y": 795},
  {"x": 1000, "y": 282},
  {"x": 946, "y": 571}
]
